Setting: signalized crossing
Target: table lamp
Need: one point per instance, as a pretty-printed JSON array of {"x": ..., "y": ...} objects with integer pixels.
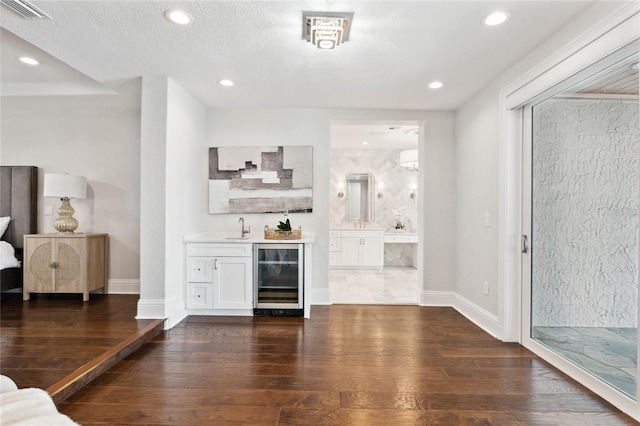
[{"x": 65, "y": 187}]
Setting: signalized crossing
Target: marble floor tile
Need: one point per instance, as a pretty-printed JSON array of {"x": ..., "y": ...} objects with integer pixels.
[
  {"x": 608, "y": 353},
  {"x": 389, "y": 286}
]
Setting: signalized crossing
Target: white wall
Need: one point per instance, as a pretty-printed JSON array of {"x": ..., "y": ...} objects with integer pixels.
[
  {"x": 255, "y": 127},
  {"x": 93, "y": 136},
  {"x": 478, "y": 132},
  {"x": 185, "y": 191}
]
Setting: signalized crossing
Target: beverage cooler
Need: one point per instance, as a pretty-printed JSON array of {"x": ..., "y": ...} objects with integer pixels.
[{"x": 278, "y": 279}]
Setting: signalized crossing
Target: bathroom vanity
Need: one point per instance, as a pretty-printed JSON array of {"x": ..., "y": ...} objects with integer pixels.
[
  {"x": 222, "y": 273},
  {"x": 356, "y": 248}
]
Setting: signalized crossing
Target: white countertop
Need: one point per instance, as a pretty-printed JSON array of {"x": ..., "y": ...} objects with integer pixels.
[{"x": 232, "y": 237}]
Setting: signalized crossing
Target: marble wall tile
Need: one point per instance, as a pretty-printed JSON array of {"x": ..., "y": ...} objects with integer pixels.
[{"x": 397, "y": 181}]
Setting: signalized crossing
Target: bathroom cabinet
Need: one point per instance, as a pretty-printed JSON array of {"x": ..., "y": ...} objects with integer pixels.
[{"x": 357, "y": 248}]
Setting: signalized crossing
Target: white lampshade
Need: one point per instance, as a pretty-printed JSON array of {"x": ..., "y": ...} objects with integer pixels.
[
  {"x": 65, "y": 186},
  {"x": 409, "y": 159}
]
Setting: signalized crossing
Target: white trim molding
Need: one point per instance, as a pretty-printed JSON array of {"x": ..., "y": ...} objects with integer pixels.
[
  {"x": 474, "y": 313},
  {"x": 123, "y": 286},
  {"x": 437, "y": 298},
  {"x": 151, "y": 309}
]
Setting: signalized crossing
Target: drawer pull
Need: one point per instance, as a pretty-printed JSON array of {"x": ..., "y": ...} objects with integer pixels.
[{"x": 54, "y": 265}]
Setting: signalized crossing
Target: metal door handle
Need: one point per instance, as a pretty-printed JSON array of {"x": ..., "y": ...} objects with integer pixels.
[
  {"x": 525, "y": 244},
  {"x": 215, "y": 264},
  {"x": 54, "y": 265}
]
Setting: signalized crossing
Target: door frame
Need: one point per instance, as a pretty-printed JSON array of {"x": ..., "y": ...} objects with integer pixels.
[{"x": 602, "y": 45}]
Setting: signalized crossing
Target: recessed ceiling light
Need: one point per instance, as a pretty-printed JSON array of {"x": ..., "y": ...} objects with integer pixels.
[
  {"x": 496, "y": 18},
  {"x": 635, "y": 66},
  {"x": 225, "y": 82},
  {"x": 365, "y": 143},
  {"x": 436, "y": 84},
  {"x": 178, "y": 16},
  {"x": 29, "y": 61}
]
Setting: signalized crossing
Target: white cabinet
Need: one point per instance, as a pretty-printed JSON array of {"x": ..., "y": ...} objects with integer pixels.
[
  {"x": 335, "y": 248},
  {"x": 219, "y": 276},
  {"x": 358, "y": 248}
]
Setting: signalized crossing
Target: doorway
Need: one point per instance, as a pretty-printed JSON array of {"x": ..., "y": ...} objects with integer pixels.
[{"x": 385, "y": 271}]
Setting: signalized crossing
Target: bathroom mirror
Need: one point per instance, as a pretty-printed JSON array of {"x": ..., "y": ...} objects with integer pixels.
[{"x": 360, "y": 197}]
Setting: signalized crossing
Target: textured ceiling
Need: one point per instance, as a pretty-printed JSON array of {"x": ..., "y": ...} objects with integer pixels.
[{"x": 395, "y": 49}]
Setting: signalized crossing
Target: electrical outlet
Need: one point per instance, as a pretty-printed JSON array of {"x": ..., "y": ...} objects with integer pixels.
[{"x": 485, "y": 287}]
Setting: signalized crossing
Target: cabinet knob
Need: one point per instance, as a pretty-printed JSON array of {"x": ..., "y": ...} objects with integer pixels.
[{"x": 54, "y": 265}]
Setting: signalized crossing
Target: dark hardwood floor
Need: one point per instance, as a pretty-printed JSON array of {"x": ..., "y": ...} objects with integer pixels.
[
  {"x": 347, "y": 365},
  {"x": 59, "y": 343}
]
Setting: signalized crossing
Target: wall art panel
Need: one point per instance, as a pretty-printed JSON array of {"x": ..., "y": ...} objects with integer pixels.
[{"x": 262, "y": 179}]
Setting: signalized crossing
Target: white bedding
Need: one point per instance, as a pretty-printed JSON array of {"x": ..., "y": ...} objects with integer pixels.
[
  {"x": 8, "y": 256},
  {"x": 30, "y": 407}
]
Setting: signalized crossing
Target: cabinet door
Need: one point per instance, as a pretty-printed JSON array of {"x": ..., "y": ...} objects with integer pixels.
[
  {"x": 372, "y": 252},
  {"x": 39, "y": 274},
  {"x": 232, "y": 283},
  {"x": 70, "y": 264},
  {"x": 351, "y": 251}
]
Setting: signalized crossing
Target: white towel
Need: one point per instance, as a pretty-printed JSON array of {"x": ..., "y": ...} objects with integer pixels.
[{"x": 30, "y": 407}]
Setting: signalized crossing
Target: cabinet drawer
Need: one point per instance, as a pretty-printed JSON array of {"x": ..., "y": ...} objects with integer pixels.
[
  {"x": 335, "y": 244},
  {"x": 400, "y": 238},
  {"x": 334, "y": 259},
  {"x": 200, "y": 269},
  {"x": 219, "y": 249},
  {"x": 335, "y": 234},
  {"x": 199, "y": 296},
  {"x": 362, "y": 233}
]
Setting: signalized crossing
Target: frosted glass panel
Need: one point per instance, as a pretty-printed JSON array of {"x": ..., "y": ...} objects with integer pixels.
[{"x": 584, "y": 257}]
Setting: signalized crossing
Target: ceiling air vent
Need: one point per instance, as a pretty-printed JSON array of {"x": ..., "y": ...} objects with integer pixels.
[{"x": 25, "y": 9}]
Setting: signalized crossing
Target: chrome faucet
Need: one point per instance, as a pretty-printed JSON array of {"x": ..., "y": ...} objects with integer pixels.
[{"x": 244, "y": 231}]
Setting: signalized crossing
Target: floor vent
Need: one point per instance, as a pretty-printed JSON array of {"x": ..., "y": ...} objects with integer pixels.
[{"x": 25, "y": 9}]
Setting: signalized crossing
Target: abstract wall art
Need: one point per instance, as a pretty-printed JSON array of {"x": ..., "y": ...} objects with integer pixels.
[{"x": 262, "y": 179}]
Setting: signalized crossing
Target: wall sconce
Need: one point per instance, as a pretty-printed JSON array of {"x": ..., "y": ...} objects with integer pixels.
[
  {"x": 380, "y": 194},
  {"x": 340, "y": 187},
  {"x": 63, "y": 186},
  {"x": 413, "y": 193}
]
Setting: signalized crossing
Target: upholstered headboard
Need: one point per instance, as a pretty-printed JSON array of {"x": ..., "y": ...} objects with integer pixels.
[{"x": 18, "y": 199}]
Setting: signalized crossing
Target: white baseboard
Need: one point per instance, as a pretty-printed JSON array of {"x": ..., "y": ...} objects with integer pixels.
[
  {"x": 474, "y": 313},
  {"x": 320, "y": 296},
  {"x": 437, "y": 298},
  {"x": 120, "y": 286},
  {"x": 151, "y": 309}
]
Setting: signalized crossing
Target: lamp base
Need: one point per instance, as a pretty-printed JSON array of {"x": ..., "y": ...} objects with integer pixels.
[{"x": 66, "y": 223}]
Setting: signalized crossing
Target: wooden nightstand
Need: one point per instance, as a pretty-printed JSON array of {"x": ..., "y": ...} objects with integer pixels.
[{"x": 60, "y": 263}]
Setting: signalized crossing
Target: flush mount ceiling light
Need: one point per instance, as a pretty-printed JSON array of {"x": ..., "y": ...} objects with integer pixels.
[
  {"x": 28, "y": 60},
  {"x": 326, "y": 30},
  {"x": 178, "y": 16},
  {"x": 436, "y": 84},
  {"x": 226, "y": 82},
  {"x": 496, "y": 18}
]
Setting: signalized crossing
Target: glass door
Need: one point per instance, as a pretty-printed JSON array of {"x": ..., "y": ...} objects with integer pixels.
[
  {"x": 582, "y": 217},
  {"x": 279, "y": 277}
]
